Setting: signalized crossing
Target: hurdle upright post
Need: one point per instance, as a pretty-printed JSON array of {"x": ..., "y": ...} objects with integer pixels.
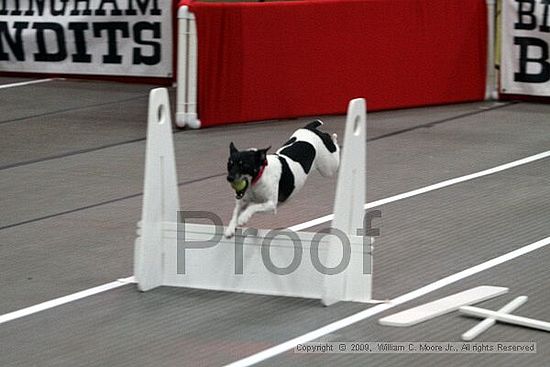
[
  {"x": 348, "y": 207},
  {"x": 160, "y": 192}
]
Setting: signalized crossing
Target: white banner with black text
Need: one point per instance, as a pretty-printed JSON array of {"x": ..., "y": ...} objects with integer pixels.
[
  {"x": 525, "y": 63},
  {"x": 101, "y": 37}
]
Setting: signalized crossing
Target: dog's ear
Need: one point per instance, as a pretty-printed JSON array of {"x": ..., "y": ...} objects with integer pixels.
[
  {"x": 232, "y": 148},
  {"x": 263, "y": 153}
]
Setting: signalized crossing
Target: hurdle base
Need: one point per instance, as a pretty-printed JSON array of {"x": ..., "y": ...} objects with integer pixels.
[{"x": 261, "y": 262}]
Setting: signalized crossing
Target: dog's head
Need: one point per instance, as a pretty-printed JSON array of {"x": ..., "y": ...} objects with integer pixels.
[{"x": 243, "y": 166}]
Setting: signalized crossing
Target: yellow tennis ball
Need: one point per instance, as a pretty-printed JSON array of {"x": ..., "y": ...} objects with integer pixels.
[{"x": 238, "y": 185}]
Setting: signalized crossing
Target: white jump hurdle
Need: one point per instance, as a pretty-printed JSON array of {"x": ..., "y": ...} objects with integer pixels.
[{"x": 166, "y": 251}]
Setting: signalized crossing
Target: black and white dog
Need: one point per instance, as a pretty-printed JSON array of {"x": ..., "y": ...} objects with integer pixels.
[{"x": 262, "y": 181}]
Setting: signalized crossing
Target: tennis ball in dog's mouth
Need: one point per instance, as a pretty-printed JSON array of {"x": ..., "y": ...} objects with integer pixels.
[{"x": 238, "y": 185}]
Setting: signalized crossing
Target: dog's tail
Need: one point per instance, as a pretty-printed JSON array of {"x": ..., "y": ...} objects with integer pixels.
[{"x": 313, "y": 125}]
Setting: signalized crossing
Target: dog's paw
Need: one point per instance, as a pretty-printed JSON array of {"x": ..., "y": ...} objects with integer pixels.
[
  {"x": 229, "y": 232},
  {"x": 243, "y": 219}
]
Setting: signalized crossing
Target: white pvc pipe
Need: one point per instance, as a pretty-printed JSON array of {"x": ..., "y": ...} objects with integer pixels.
[
  {"x": 507, "y": 318},
  {"x": 488, "y": 322},
  {"x": 186, "y": 94},
  {"x": 192, "y": 81},
  {"x": 181, "y": 91},
  {"x": 490, "y": 83}
]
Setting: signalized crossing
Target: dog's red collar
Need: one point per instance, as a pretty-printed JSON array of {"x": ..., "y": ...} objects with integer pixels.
[{"x": 257, "y": 178}]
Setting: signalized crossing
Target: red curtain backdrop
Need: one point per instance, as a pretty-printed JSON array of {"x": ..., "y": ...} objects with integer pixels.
[{"x": 285, "y": 59}]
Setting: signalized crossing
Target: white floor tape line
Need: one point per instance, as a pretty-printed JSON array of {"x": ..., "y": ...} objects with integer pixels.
[
  {"x": 363, "y": 315},
  {"x": 433, "y": 187},
  {"x": 324, "y": 219},
  {"x": 65, "y": 299},
  {"x": 21, "y": 84}
]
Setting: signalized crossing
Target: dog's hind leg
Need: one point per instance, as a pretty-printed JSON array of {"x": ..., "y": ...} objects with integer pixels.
[{"x": 327, "y": 162}]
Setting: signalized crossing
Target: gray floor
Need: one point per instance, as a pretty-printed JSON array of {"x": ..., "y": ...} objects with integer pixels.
[{"x": 71, "y": 176}]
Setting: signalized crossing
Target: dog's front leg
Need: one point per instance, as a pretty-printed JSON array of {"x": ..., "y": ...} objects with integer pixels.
[
  {"x": 267, "y": 206},
  {"x": 230, "y": 230}
]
